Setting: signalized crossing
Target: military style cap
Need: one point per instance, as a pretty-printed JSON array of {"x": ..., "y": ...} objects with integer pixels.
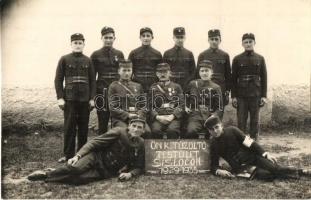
[
  {"x": 213, "y": 33},
  {"x": 145, "y": 29},
  {"x": 211, "y": 121},
  {"x": 248, "y": 36},
  {"x": 163, "y": 67},
  {"x": 179, "y": 31},
  {"x": 206, "y": 63},
  {"x": 125, "y": 64},
  {"x": 77, "y": 36},
  {"x": 138, "y": 119},
  {"x": 106, "y": 30}
]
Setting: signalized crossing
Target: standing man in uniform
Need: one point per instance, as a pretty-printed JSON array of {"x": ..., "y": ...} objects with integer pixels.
[
  {"x": 145, "y": 60},
  {"x": 126, "y": 98},
  {"x": 180, "y": 59},
  {"x": 221, "y": 65},
  {"x": 105, "y": 61},
  {"x": 119, "y": 152},
  {"x": 249, "y": 91},
  {"x": 167, "y": 103},
  {"x": 205, "y": 99},
  {"x": 76, "y": 99}
]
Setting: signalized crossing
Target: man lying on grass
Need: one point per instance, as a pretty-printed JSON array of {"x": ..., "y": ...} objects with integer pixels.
[
  {"x": 243, "y": 154},
  {"x": 120, "y": 151}
]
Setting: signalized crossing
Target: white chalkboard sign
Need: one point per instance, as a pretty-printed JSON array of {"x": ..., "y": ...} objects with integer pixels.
[{"x": 176, "y": 156}]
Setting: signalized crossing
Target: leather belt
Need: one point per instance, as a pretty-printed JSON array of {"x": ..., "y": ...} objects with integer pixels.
[
  {"x": 110, "y": 75},
  {"x": 76, "y": 79},
  {"x": 248, "y": 77}
]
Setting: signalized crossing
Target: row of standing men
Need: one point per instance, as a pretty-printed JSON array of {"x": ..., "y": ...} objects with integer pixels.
[{"x": 246, "y": 80}]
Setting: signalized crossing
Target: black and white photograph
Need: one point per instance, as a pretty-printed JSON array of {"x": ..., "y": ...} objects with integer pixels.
[{"x": 166, "y": 99}]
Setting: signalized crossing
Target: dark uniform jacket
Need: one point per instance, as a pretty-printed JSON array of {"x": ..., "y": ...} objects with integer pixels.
[
  {"x": 124, "y": 97},
  {"x": 205, "y": 99},
  {"x": 221, "y": 67},
  {"x": 106, "y": 64},
  {"x": 78, "y": 72},
  {"x": 116, "y": 149},
  {"x": 249, "y": 75},
  {"x": 182, "y": 65},
  {"x": 230, "y": 147},
  {"x": 145, "y": 59},
  {"x": 166, "y": 100}
]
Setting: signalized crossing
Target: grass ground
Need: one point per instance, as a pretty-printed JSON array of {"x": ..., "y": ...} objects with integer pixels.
[{"x": 23, "y": 154}]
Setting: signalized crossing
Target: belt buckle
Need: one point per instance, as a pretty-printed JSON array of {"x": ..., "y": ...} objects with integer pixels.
[
  {"x": 132, "y": 109},
  {"x": 166, "y": 105},
  {"x": 202, "y": 107}
]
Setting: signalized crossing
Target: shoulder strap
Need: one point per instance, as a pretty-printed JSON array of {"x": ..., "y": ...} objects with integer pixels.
[
  {"x": 126, "y": 88},
  {"x": 161, "y": 89}
]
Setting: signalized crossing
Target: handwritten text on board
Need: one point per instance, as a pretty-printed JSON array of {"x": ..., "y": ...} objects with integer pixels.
[{"x": 177, "y": 156}]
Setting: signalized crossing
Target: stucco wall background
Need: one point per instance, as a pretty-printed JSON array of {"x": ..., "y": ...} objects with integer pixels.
[{"x": 28, "y": 109}]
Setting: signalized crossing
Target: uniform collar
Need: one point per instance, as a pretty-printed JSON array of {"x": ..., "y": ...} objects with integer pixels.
[
  {"x": 107, "y": 48},
  {"x": 206, "y": 81},
  {"x": 249, "y": 53},
  {"x": 77, "y": 54},
  {"x": 178, "y": 47},
  {"x": 124, "y": 81},
  {"x": 165, "y": 83},
  {"x": 214, "y": 50},
  {"x": 133, "y": 141},
  {"x": 146, "y": 46}
]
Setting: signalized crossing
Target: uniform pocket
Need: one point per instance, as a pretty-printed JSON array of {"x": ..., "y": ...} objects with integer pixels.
[
  {"x": 84, "y": 91},
  {"x": 242, "y": 84},
  {"x": 68, "y": 91},
  {"x": 103, "y": 60},
  {"x": 171, "y": 60},
  {"x": 221, "y": 61}
]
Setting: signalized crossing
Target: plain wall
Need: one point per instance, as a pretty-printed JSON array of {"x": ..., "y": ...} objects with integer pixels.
[{"x": 35, "y": 33}]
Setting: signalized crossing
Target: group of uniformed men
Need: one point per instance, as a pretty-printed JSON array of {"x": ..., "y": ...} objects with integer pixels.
[
  {"x": 156, "y": 97},
  {"x": 170, "y": 92}
]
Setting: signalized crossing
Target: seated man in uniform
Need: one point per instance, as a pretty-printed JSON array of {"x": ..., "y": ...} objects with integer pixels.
[
  {"x": 167, "y": 103},
  {"x": 120, "y": 151},
  {"x": 126, "y": 98},
  {"x": 241, "y": 152},
  {"x": 204, "y": 99}
]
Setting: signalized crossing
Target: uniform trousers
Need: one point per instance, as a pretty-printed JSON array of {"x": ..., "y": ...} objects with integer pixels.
[
  {"x": 249, "y": 105},
  {"x": 76, "y": 121},
  {"x": 171, "y": 130},
  {"x": 86, "y": 170},
  {"x": 266, "y": 169}
]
